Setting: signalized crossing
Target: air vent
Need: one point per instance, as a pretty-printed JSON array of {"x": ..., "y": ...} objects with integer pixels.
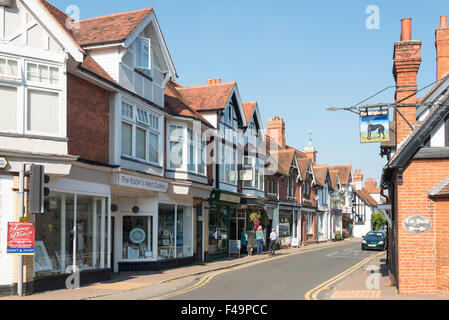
[{"x": 6, "y": 3}]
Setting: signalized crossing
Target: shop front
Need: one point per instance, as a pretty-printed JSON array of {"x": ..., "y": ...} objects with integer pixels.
[
  {"x": 253, "y": 213},
  {"x": 152, "y": 229},
  {"x": 336, "y": 222},
  {"x": 289, "y": 225},
  {"x": 308, "y": 229},
  {"x": 224, "y": 207}
]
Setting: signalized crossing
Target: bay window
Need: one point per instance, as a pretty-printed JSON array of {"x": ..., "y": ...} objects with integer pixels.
[
  {"x": 186, "y": 154},
  {"x": 140, "y": 134},
  {"x": 32, "y": 104}
]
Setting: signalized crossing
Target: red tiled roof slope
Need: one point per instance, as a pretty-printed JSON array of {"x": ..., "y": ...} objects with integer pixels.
[
  {"x": 208, "y": 97},
  {"x": 364, "y": 194},
  {"x": 110, "y": 28},
  {"x": 344, "y": 171}
]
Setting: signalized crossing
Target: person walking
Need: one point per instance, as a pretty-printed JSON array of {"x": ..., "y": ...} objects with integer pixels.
[
  {"x": 273, "y": 238},
  {"x": 244, "y": 242},
  {"x": 259, "y": 238}
]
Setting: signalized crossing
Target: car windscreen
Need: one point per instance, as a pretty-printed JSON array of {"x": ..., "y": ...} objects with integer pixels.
[{"x": 378, "y": 235}]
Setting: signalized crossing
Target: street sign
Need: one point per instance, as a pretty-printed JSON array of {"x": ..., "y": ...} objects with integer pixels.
[
  {"x": 417, "y": 224},
  {"x": 20, "y": 239},
  {"x": 385, "y": 206},
  {"x": 3, "y": 163}
]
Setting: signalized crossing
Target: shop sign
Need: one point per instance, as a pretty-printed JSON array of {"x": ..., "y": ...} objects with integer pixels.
[
  {"x": 141, "y": 183},
  {"x": 20, "y": 238},
  {"x": 374, "y": 126},
  {"x": 3, "y": 163},
  {"x": 226, "y": 197},
  {"x": 417, "y": 224},
  {"x": 246, "y": 175}
]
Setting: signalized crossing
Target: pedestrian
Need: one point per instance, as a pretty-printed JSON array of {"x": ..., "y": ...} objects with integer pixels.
[
  {"x": 259, "y": 238},
  {"x": 244, "y": 242},
  {"x": 273, "y": 238}
]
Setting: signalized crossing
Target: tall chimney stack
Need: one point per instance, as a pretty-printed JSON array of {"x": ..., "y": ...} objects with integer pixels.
[
  {"x": 407, "y": 60},
  {"x": 442, "y": 46},
  {"x": 276, "y": 130}
]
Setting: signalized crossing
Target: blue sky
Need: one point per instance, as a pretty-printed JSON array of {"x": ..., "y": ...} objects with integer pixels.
[{"x": 295, "y": 58}]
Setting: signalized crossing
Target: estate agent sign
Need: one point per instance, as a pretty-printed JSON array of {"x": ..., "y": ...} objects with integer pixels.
[
  {"x": 417, "y": 224},
  {"x": 20, "y": 238}
]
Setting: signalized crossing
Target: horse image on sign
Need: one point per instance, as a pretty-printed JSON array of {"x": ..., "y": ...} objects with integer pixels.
[{"x": 417, "y": 224}]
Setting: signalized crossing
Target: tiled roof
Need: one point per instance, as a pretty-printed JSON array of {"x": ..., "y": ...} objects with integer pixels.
[
  {"x": 364, "y": 194},
  {"x": 248, "y": 109},
  {"x": 303, "y": 164},
  {"x": 344, "y": 171},
  {"x": 334, "y": 174},
  {"x": 285, "y": 159},
  {"x": 320, "y": 172},
  {"x": 208, "y": 97},
  {"x": 176, "y": 105},
  {"x": 111, "y": 28}
]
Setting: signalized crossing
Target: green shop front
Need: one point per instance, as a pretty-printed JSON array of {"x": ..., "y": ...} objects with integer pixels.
[{"x": 223, "y": 211}]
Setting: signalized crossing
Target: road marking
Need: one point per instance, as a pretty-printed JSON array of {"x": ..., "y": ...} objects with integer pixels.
[
  {"x": 313, "y": 293},
  {"x": 208, "y": 278}
]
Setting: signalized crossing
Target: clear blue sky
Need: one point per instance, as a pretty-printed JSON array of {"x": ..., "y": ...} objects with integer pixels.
[{"x": 294, "y": 57}]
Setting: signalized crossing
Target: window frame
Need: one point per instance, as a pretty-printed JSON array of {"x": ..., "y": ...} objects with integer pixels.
[
  {"x": 139, "y": 64},
  {"x": 136, "y": 124}
]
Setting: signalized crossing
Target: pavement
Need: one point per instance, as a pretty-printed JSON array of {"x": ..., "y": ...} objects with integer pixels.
[
  {"x": 128, "y": 281},
  {"x": 371, "y": 281}
]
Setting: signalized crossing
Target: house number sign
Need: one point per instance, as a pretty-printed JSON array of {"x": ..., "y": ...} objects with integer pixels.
[{"x": 417, "y": 224}]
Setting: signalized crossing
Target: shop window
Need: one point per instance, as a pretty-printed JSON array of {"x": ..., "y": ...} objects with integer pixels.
[
  {"x": 175, "y": 234},
  {"x": 218, "y": 230},
  {"x": 137, "y": 237},
  {"x": 74, "y": 228}
]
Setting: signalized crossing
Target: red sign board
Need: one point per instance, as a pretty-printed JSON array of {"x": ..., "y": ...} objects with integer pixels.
[{"x": 20, "y": 238}]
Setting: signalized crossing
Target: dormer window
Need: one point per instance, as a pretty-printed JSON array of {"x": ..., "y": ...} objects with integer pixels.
[{"x": 143, "y": 55}]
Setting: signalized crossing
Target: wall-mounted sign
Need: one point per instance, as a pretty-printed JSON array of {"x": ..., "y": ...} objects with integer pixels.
[
  {"x": 141, "y": 183},
  {"x": 218, "y": 195},
  {"x": 374, "y": 126},
  {"x": 246, "y": 175},
  {"x": 3, "y": 163},
  {"x": 417, "y": 224},
  {"x": 20, "y": 238}
]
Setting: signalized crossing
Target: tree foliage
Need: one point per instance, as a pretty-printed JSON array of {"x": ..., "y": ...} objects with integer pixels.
[{"x": 378, "y": 220}]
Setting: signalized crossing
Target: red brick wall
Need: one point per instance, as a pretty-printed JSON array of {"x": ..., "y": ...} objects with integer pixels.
[
  {"x": 421, "y": 256},
  {"x": 87, "y": 120},
  {"x": 442, "y": 244}
]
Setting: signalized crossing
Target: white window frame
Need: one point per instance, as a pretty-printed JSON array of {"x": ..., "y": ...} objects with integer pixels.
[
  {"x": 138, "y": 64},
  {"x": 136, "y": 123}
]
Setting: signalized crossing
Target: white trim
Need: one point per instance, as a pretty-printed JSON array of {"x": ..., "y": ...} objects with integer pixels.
[{"x": 49, "y": 24}]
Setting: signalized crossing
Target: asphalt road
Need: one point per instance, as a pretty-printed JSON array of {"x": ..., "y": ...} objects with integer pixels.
[{"x": 288, "y": 278}]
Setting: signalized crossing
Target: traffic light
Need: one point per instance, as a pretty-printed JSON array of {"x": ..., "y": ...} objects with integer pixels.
[{"x": 38, "y": 190}]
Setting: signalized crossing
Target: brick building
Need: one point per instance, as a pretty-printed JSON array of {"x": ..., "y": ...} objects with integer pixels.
[{"x": 416, "y": 176}]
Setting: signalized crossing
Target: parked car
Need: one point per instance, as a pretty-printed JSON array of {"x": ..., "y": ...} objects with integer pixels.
[{"x": 374, "y": 240}]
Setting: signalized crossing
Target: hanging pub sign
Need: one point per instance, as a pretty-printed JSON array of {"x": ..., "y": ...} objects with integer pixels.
[{"x": 374, "y": 126}]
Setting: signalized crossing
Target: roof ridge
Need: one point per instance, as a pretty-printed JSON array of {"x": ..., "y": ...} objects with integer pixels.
[
  {"x": 207, "y": 85},
  {"x": 116, "y": 14}
]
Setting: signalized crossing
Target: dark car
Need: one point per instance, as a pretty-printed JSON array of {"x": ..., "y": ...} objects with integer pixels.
[{"x": 374, "y": 240}]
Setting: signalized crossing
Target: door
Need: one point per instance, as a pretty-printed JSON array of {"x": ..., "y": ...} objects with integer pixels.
[{"x": 199, "y": 233}]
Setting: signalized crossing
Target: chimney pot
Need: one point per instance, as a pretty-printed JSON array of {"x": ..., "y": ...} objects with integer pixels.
[
  {"x": 406, "y": 32},
  {"x": 443, "y": 21},
  {"x": 209, "y": 82}
]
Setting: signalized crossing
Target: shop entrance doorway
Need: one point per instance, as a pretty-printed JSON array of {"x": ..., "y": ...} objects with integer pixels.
[{"x": 238, "y": 224}]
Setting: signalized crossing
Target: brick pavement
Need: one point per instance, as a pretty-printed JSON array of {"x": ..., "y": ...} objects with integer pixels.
[{"x": 127, "y": 281}]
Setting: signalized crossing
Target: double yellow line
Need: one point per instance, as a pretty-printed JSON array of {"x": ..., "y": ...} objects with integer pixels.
[
  {"x": 313, "y": 294},
  {"x": 201, "y": 283}
]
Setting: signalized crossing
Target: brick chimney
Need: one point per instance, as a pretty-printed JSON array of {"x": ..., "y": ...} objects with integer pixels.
[
  {"x": 407, "y": 60},
  {"x": 358, "y": 179},
  {"x": 371, "y": 185},
  {"x": 276, "y": 130},
  {"x": 442, "y": 46},
  {"x": 214, "y": 81}
]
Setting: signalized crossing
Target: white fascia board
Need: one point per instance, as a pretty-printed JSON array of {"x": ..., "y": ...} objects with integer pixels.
[
  {"x": 89, "y": 78},
  {"x": 52, "y": 27},
  {"x": 152, "y": 18},
  {"x": 239, "y": 102}
]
